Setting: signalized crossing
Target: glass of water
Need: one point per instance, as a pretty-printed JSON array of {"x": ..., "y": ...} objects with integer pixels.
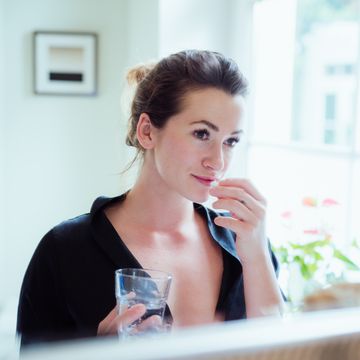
[{"x": 142, "y": 286}]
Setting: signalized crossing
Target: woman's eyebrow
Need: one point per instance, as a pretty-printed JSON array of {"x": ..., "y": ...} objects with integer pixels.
[
  {"x": 213, "y": 126},
  {"x": 207, "y": 123}
]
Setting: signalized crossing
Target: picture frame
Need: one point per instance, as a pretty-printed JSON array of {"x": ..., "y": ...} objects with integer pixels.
[{"x": 65, "y": 63}]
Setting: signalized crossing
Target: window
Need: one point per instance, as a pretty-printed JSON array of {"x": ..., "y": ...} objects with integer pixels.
[
  {"x": 330, "y": 101},
  {"x": 330, "y": 119},
  {"x": 304, "y": 141}
]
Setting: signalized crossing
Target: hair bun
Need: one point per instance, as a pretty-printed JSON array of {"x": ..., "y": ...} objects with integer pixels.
[{"x": 136, "y": 74}]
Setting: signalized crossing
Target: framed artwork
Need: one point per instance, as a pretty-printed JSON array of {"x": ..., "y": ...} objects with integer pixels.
[{"x": 65, "y": 63}]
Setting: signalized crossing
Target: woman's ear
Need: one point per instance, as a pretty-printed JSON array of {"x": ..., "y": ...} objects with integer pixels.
[{"x": 144, "y": 131}]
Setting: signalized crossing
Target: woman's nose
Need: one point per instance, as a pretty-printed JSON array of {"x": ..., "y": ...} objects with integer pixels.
[{"x": 214, "y": 160}]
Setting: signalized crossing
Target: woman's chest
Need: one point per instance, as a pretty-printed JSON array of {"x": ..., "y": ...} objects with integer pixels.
[
  {"x": 191, "y": 256},
  {"x": 196, "y": 271}
]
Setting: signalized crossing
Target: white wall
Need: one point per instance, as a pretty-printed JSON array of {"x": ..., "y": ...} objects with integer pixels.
[
  {"x": 61, "y": 152},
  {"x": 218, "y": 25},
  {"x": 188, "y": 24},
  {"x": 143, "y": 30},
  {"x": 2, "y": 190}
]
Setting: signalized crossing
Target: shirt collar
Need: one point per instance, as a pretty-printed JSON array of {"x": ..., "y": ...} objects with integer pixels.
[
  {"x": 103, "y": 201},
  {"x": 224, "y": 237}
]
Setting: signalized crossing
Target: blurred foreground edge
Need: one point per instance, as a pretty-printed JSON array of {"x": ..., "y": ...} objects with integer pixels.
[{"x": 330, "y": 335}]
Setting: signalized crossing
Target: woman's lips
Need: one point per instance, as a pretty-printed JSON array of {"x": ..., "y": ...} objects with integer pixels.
[{"x": 204, "y": 180}]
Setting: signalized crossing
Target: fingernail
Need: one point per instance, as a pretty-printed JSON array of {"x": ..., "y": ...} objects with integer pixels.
[
  {"x": 138, "y": 307},
  {"x": 156, "y": 320}
]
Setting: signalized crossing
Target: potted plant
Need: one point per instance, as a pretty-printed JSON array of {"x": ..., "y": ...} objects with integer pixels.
[{"x": 310, "y": 258}]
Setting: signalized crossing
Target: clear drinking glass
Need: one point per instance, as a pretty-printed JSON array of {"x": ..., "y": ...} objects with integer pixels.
[{"x": 142, "y": 286}]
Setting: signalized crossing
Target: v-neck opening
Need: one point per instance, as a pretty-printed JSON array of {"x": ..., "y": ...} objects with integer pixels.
[
  {"x": 168, "y": 315},
  {"x": 117, "y": 235},
  {"x": 114, "y": 245}
]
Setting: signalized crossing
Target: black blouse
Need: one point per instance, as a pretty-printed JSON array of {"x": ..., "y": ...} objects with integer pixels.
[{"x": 68, "y": 287}]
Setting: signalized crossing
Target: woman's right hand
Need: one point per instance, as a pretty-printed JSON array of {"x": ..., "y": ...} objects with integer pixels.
[{"x": 113, "y": 321}]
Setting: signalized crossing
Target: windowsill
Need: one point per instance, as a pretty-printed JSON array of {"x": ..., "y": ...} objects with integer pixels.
[
  {"x": 8, "y": 341},
  {"x": 330, "y": 150}
]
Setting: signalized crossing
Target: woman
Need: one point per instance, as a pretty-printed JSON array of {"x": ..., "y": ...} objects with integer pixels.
[{"x": 186, "y": 119}]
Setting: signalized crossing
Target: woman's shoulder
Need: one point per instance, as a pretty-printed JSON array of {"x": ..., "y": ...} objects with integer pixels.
[
  {"x": 82, "y": 223},
  {"x": 73, "y": 226},
  {"x": 64, "y": 235},
  {"x": 77, "y": 229}
]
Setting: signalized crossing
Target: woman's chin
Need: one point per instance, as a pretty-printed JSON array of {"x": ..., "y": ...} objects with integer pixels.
[{"x": 200, "y": 198}]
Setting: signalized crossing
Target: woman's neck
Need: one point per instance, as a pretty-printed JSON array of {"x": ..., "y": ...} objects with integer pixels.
[{"x": 156, "y": 205}]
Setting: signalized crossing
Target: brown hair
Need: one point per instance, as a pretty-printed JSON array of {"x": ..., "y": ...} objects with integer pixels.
[{"x": 161, "y": 87}]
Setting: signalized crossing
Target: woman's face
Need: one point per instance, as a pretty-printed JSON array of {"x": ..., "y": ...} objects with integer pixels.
[{"x": 196, "y": 145}]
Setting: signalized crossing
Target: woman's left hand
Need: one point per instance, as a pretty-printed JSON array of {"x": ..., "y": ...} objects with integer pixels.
[{"x": 247, "y": 208}]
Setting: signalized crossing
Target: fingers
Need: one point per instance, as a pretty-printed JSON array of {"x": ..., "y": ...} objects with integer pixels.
[
  {"x": 113, "y": 322},
  {"x": 153, "y": 321},
  {"x": 130, "y": 315},
  {"x": 246, "y": 205},
  {"x": 230, "y": 223},
  {"x": 238, "y": 201},
  {"x": 244, "y": 184},
  {"x": 104, "y": 324},
  {"x": 237, "y": 209},
  {"x": 232, "y": 192}
]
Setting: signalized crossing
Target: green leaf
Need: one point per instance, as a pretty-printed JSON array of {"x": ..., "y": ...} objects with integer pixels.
[
  {"x": 305, "y": 271},
  {"x": 349, "y": 263},
  {"x": 355, "y": 244},
  {"x": 282, "y": 253},
  {"x": 312, "y": 268},
  {"x": 318, "y": 256},
  {"x": 308, "y": 247}
]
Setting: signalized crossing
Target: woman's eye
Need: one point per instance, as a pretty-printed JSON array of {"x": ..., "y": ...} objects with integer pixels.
[
  {"x": 202, "y": 134},
  {"x": 232, "y": 141}
]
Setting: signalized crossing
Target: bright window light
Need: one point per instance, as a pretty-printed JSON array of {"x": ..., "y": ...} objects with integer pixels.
[{"x": 303, "y": 141}]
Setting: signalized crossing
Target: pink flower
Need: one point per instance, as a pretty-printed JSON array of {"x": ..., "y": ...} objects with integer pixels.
[
  {"x": 329, "y": 202},
  {"x": 286, "y": 214},
  {"x": 309, "y": 201},
  {"x": 311, "y": 231}
]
